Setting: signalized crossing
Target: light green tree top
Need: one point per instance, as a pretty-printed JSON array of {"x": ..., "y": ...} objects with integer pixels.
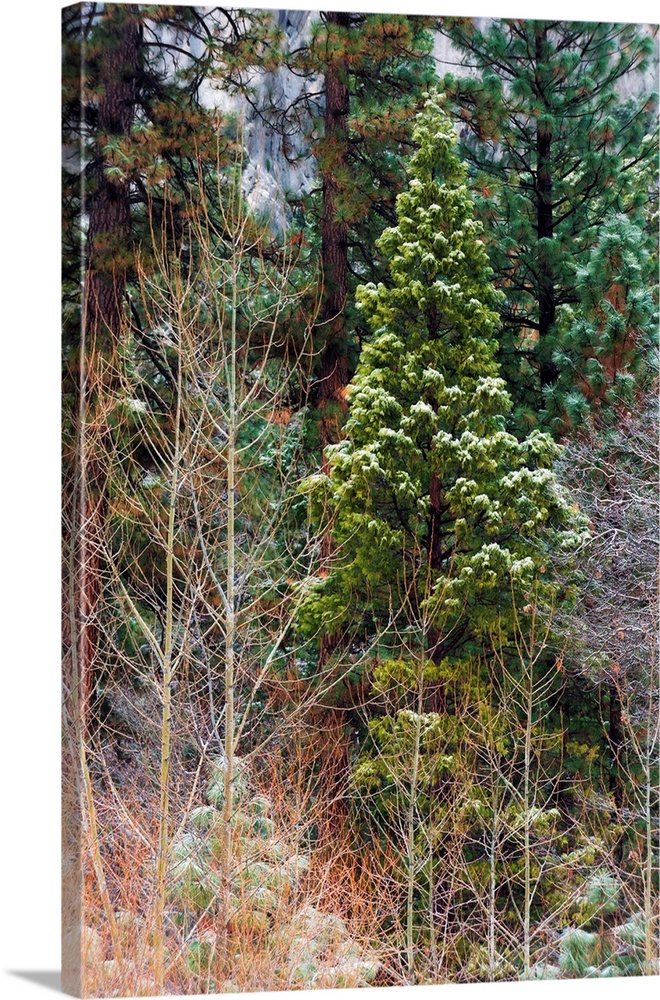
[{"x": 437, "y": 509}]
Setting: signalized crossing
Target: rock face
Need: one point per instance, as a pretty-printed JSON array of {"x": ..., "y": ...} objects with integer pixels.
[
  {"x": 280, "y": 164},
  {"x": 278, "y": 161}
]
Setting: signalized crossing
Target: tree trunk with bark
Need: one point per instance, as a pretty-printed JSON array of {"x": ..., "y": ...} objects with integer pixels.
[
  {"x": 548, "y": 370},
  {"x": 333, "y": 368},
  {"x": 109, "y": 221}
]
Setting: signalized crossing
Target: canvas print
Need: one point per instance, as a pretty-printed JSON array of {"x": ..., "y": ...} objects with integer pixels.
[{"x": 360, "y": 520}]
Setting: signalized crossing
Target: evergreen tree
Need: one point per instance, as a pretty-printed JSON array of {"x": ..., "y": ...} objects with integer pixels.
[
  {"x": 374, "y": 69},
  {"x": 554, "y": 150},
  {"x": 438, "y": 510},
  {"x": 135, "y": 130},
  {"x": 608, "y": 340}
]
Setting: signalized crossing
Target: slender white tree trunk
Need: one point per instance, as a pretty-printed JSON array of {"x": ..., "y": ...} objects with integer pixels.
[
  {"x": 230, "y": 631},
  {"x": 492, "y": 854},
  {"x": 527, "y": 807},
  {"x": 166, "y": 721},
  {"x": 433, "y": 943},
  {"x": 410, "y": 827}
]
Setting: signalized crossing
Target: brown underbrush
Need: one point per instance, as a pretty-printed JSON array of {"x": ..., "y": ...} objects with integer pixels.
[{"x": 324, "y": 926}]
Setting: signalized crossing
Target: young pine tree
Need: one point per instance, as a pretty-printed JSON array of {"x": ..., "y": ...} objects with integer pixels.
[
  {"x": 374, "y": 70},
  {"x": 440, "y": 514}
]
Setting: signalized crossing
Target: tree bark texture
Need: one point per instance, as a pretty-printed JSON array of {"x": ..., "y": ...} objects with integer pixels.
[
  {"x": 333, "y": 372},
  {"x": 548, "y": 371},
  {"x": 108, "y": 200},
  {"x": 107, "y": 204},
  {"x": 333, "y": 367}
]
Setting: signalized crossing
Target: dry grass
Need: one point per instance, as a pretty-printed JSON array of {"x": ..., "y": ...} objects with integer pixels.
[{"x": 311, "y": 816}]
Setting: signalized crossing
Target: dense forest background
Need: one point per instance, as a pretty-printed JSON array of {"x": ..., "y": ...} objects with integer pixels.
[{"x": 361, "y": 500}]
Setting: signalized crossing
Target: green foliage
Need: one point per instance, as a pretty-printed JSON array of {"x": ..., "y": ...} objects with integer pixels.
[
  {"x": 372, "y": 70},
  {"x": 481, "y": 763},
  {"x": 203, "y": 817},
  {"x": 554, "y": 151},
  {"x": 602, "y": 893},
  {"x": 385, "y": 61},
  {"x": 199, "y": 956},
  {"x": 438, "y": 510},
  {"x": 215, "y": 792},
  {"x": 577, "y": 948},
  {"x": 323, "y": 955},
  {"x": 605, "y": 952},
  {"x": 593, "y": 947},
  {"x": 393, "y": 740},
  {"x": 140, "y": 141},
  {"x": 262, "y": 875},
  {"x": 608, "y": 340}
]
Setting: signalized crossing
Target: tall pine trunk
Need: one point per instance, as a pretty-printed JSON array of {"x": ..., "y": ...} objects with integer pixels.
[
  {"x": 333, "y": 373},
  {"x": 108, "y": 207},
  {"x": 545, "y": 227},
  {"x": 333, "y": 368}
]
